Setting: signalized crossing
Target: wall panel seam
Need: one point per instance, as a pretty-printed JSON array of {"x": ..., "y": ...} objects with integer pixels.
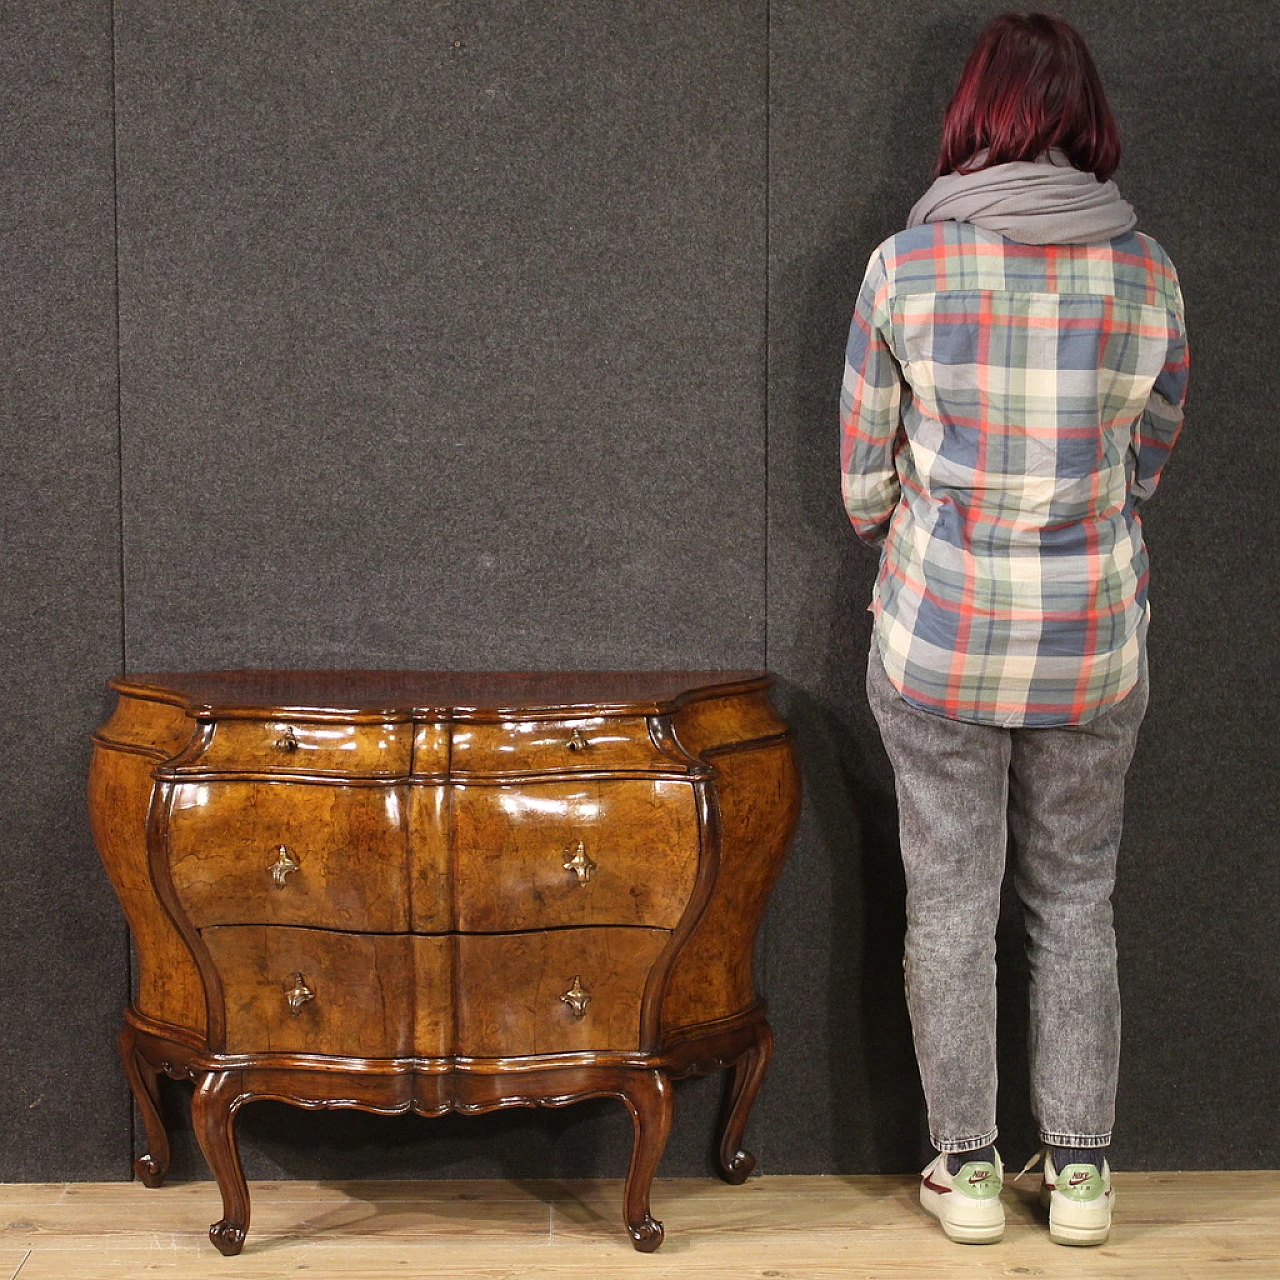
[
  {"x": 762, "y": 1133},
  {"x": 127, "y": 967},
  {"x": 115, "y": 252},
  {"x": 768, "y": 272}
]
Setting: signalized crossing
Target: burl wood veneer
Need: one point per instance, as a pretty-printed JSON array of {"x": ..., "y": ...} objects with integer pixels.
[{"x": 443, "y": 892}]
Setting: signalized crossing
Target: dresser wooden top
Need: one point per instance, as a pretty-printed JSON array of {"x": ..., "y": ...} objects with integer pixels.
[{"x": 448, "y": 693}]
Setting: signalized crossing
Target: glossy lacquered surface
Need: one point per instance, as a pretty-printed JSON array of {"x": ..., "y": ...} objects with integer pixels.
[
  {"x": 435, "y": 891},
  {"x": 587, "y": 851},
  {"x": 294, "y": 746},
  {"x": 580, "y": 744},
  {"x": 256, "y": 852},
  {"x": 482, "y": 694}
]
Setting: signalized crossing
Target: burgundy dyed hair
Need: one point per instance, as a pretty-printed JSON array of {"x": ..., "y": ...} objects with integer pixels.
[{"x": 1029, "y": 84}]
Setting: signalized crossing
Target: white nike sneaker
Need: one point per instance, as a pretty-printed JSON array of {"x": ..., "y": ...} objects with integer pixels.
[
  {"x": 1079, "y": 1200},
  {"x": 968, "y": 1203}
]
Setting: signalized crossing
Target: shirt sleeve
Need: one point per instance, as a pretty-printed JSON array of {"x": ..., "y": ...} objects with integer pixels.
[
  {"x": 870, "y": 399},
  {"x": 1161, "y": 423}
]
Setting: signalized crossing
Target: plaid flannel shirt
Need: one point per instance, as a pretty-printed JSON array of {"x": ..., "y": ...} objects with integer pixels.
[{"x": 1005, "y": 408}]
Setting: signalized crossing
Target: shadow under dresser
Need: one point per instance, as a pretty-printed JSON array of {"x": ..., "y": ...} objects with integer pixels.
[{"x": 442, "y": 891}]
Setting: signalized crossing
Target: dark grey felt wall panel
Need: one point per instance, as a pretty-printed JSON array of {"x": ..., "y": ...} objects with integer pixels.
[
  {"x": 857, "y": 92},
  {"x": 476, "y": 334},
  {"x": 443, "y": 333},
  {"x": 443, "y": 345},
  {"x": 63, "y": 953}
]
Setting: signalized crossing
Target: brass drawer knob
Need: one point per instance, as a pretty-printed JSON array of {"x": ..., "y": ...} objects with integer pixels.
[
  {"x": 281, "y": 867},
  {"x": 576, "y": 998},
  {"x": 288, "y": 741},
  {"x": 577, "y": 741},
  {"x": 576, "y": 860},
  {"x": 297, "y": 993}
]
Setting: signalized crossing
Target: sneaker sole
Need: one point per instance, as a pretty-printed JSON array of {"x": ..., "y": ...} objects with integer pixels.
[
  {"x": 990, "y": 1231},
  {"x": 1089, "y": 1228},
  {"x": 1080, "y": 1236}
]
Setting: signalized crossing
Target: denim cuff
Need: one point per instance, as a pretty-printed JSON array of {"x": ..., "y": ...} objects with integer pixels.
[
  {"x": 1075, "y": 1140},
  {"x": 954, "y": 1146}
]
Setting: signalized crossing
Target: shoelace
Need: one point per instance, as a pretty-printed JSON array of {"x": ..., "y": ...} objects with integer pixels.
[{"x": 1031, "y": 1164}]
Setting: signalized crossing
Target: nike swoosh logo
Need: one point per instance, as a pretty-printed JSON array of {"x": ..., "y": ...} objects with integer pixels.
[{"x": 935, "y": 1186}]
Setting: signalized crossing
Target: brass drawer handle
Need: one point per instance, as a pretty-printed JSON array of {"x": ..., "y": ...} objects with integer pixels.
[
  {"x": 576, "y": 860},
  {"x": 298, "y": 994},
  {"x": 282, "y": 866},
  {"x": 576, "y": 998},
  {"x": 577, "y": 742},
  {"x": 288, "y": 741}
]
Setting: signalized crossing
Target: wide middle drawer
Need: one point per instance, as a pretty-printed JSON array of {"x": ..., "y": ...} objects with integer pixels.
[
  {"x": 540, "y": 855},
  {"x": 290, "y": 853}
]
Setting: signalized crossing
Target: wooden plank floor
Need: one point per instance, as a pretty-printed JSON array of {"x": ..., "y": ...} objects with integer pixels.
[{"x": 1169, "y": 1226}]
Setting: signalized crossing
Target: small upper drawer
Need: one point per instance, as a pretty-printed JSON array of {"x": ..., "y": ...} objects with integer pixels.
[
  {"x": 296, "y": 746},
  {"x": 538, "y": 746}
]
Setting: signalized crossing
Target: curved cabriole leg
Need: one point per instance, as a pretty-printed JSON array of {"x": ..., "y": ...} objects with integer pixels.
[
  {"x": 736, "y": 1164},
  {"x": 213, "y": 1118},
  {"x": 143, "y": 1081},
  {"x": 650, "y": 1098}
]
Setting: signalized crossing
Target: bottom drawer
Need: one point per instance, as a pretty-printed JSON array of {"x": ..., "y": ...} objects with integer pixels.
[
  {"x": 353, "y": 994},
  {"x": 376, "y": 995},
  {"x": 560, "y": 991}
]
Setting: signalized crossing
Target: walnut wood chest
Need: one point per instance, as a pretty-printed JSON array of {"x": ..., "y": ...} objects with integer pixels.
[{"x": 439, "y": 892}]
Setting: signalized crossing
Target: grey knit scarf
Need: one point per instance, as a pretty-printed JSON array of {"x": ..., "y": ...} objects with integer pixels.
[{"x": 1041, "y": 201}]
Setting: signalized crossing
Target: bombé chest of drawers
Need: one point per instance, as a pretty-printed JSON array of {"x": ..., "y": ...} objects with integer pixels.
[{"x": 442, "y": 892}]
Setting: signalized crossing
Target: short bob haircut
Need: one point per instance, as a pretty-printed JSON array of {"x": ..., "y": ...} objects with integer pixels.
[{"x": 1029, "y": 84}]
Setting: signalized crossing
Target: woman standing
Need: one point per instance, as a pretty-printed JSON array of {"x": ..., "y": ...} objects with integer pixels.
[{"x": 1013, "y": 386}]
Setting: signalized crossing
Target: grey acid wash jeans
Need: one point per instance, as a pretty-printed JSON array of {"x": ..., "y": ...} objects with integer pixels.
[{"x": 1057, "y": 794}]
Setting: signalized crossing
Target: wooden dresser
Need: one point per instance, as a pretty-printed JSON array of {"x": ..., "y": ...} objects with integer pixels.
[{"x": 439, "y": 892}]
